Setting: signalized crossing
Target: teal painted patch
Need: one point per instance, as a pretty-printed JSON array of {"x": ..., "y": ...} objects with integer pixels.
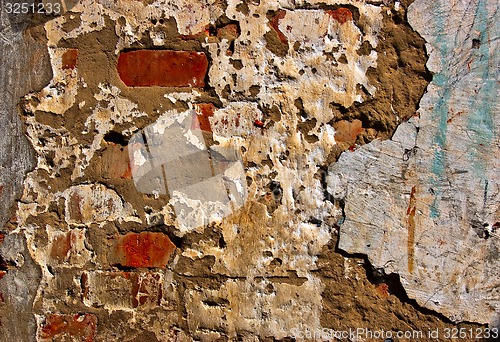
[
  {"x": 440, "y": 112},
  {"x": 480, "y": 102},
  {"x": 484, "y": 65}
]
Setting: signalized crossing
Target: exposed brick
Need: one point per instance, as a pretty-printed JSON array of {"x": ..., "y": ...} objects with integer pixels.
[
  {"x": 122, "y": 290},
  {"x": 201, "y": 121},
  {"x": 147, "y": 291},
  {"x": 342, "y": 15},
  {"x": 145, "y": 68},
  {"x": 61, "y": 246},
  {"x": 229, "y": 32},
  {"x": 69, "y": 247},
  {"x": 274, "y": 23},
  {"x": 70, "y": 59},
  {"x": 346, "y": 131},
  {"x": 74, "y": 207},
  {"x": 1, "y": 189},
  {"x": 146, "y": 249},
  {"x": 78, "y": 327},
  {"x": 115, "y": 162}
]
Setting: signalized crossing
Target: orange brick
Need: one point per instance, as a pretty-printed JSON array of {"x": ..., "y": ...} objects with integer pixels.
[
  {"x": 201, "y": 121},
  {"x": 61, "y": 246},
  {"x": 346, "y": 131},
  {"x": 383, "y": 290},
  {"x": 116, "y": 162},
  {"x": 79, "y": 327},
  {"x": 164, "y": 68},
  {"x": 342, "y": 15},
  {"x": 146, "y": 249},
  {"x": 70, "y": 59},
  {"x": 200, "y": 35},
  {"x": 229, "y": 32},
  {"x": 68, "y": 246}
]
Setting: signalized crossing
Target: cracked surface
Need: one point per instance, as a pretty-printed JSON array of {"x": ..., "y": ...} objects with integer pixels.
[
  {"x": 293, "y": 84},
  {"x": 436, "y": 191}
]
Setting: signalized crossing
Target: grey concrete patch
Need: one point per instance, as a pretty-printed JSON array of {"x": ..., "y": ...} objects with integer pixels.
[{"x": 25, "y": 67}]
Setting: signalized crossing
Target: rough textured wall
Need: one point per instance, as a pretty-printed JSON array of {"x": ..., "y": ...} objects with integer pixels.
[
  {"x": 443, "y": 165},
  {"x": 18, "y": 42},
  {"x": 16, "y": 79},
  {"x": 212, "y": 170}
]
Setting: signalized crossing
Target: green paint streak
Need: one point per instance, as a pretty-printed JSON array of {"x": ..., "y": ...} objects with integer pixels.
[
  {"x": 480, "y": 119},
  {"x": 480, "y": 114},
  {"x": 440, "y": 113}
]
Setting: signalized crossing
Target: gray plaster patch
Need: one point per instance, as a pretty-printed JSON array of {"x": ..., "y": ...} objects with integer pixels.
[
  {"x": 204, "y": 184},
  {"x": 426, "y": 203}
]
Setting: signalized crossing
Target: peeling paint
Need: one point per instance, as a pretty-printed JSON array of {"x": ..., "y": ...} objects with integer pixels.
[
  {"x": 230, "y": 178},
  {"x": 430, "y": 168}
]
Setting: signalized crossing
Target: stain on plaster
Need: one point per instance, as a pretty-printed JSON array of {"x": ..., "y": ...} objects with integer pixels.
[{"x": 431, "y": 195}]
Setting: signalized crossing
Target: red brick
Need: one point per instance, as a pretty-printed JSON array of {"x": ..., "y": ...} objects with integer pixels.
[
  {"x": 274, "y": 23},
  {"x": 79, "y": 327},
  {"x": 164, "y": 68},
  {"x": 61, "y": 246},
  {"x": 201, "y": 121},
  {"x": 346, "y": 131},
  {"x": 147, "y": 290},
  {"x": 342, "y": 15},
  {"x": 70, "y": 59},
  {"x": 258, "y": 123},
  {"x": 146, "y": 249},
  {"x": 2, "y": 273},
  {"x": 68, "y": 246}
]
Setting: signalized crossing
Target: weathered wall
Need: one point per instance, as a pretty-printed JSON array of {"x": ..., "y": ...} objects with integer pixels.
[
  {"x": 436, "y": 190},
  {"x": 25, "y": 67},
  {"x": 188, "y": 184}
]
